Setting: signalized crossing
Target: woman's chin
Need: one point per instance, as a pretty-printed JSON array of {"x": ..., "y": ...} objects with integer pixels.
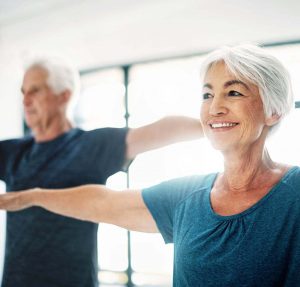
[{"x": 221, "y": 145}]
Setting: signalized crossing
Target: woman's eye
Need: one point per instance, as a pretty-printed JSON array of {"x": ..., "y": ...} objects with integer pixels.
[
  {"x": 234, "y": 94},
  {"x": 206, "y": 96}
]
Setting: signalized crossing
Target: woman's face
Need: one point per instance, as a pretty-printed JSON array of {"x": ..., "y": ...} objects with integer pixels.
[{"x": 232, "y": 112}]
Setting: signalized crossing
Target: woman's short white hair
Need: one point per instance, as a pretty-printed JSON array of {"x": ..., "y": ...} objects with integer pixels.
[
  {"x": 255, "y": 65},
  {"x": 62, "y": 76}
]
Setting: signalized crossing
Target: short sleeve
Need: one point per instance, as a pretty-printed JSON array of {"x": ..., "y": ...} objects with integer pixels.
[
  {"x": 108, "y": 146},
  {"x": 163, "y": 199},
  {"x": 9, "y": 150}
]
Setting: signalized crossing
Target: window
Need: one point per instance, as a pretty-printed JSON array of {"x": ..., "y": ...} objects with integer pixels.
[
  {"x": 101, "y": 104},
  {"x": 157, "y": 90},
  {"x": 284, "y": 145}
]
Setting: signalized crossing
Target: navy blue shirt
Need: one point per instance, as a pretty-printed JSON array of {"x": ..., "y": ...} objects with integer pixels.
[
  {"x": 257, "y": 247},
  {"x": 44, "y": 249}
]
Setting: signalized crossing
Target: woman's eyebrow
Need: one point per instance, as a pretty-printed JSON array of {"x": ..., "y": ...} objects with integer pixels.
[
  {"x": 227, "y": 84},
  {"x": 235, "y": 82}
]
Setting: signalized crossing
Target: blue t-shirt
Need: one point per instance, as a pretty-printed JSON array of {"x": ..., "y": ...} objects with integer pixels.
[
  {"x": 257, "y": 247},
  {"x": 44, "y": 249}
]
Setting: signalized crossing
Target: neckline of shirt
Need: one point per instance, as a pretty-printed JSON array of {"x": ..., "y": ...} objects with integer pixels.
[{"x": 251, "y": 208}]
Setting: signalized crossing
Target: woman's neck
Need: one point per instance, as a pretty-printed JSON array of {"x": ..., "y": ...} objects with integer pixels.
[{"x": 250, "y": 170}]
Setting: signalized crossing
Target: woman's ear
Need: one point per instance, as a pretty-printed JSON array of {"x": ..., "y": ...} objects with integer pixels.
[{"x": 272, "y": 120}]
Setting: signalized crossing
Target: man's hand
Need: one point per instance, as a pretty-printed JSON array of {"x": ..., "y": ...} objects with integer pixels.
[{"x": 14, "y": 201}]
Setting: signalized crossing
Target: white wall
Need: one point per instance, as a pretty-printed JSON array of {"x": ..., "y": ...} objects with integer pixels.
[{"x": 10, "y": 99}]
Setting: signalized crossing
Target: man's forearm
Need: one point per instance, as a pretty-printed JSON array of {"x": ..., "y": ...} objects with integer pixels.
[{"x": 166, "y": 131}]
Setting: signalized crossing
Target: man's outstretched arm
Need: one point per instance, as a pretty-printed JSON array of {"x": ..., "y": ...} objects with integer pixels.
[
  {"x": 166, "y": 131},
  {"x": 94, "y": 203}
]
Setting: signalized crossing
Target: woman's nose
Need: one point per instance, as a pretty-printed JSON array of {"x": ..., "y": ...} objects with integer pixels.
[{"x": 218, "y": 106}]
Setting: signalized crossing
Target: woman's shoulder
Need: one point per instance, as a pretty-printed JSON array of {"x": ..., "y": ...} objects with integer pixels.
[
  {"x": 292, "y": 177},
  {"x": 185, "y": 185},
  {"x": 196, "y": 182}
]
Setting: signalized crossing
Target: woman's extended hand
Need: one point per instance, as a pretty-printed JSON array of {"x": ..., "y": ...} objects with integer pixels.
[{"x": 14, "y": 201}]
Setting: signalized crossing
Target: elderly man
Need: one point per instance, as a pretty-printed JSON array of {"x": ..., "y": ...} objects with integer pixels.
[{"x": 44, "y": 249}]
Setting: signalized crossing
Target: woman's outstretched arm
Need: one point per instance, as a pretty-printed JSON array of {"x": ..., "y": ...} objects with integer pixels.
[{"x": 95, "y": 203}]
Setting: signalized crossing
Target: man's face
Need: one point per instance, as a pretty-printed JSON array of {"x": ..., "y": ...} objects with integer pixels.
[{"x": 41, "y": 105}]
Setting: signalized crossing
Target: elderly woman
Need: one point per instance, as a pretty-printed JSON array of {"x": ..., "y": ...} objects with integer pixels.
[{"x": 240, "y": 227}]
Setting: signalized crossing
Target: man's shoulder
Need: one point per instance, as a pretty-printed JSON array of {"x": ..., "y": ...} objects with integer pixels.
[
  {"x": 16, "y": 142},
  {"x": 105, "y": 130},
  {"x": 109, "y": 133}
]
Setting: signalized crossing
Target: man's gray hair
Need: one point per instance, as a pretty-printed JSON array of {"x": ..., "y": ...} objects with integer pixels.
[
  {"x": 62, "y": 76},
  {"x": 255, "y": 65}
]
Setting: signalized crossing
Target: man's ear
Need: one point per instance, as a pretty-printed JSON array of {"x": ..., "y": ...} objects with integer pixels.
[
  {"x": 65, "y": 96},
  {"x": 272, "y": 120}
]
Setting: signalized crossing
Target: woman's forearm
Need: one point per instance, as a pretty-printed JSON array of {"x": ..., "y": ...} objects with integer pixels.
[
  {"x": 84, "y": 202},
  {"x": 94, "y": 203}
]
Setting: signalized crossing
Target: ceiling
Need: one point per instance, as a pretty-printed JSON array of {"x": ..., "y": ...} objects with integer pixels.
[{"x": 104, "y": 32}]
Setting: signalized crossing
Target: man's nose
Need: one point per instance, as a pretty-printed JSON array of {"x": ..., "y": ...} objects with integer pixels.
[{"x": 26, "y": 99}]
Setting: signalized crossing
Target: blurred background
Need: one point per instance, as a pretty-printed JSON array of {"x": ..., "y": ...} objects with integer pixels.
[{"x": 153, "y": 50}]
